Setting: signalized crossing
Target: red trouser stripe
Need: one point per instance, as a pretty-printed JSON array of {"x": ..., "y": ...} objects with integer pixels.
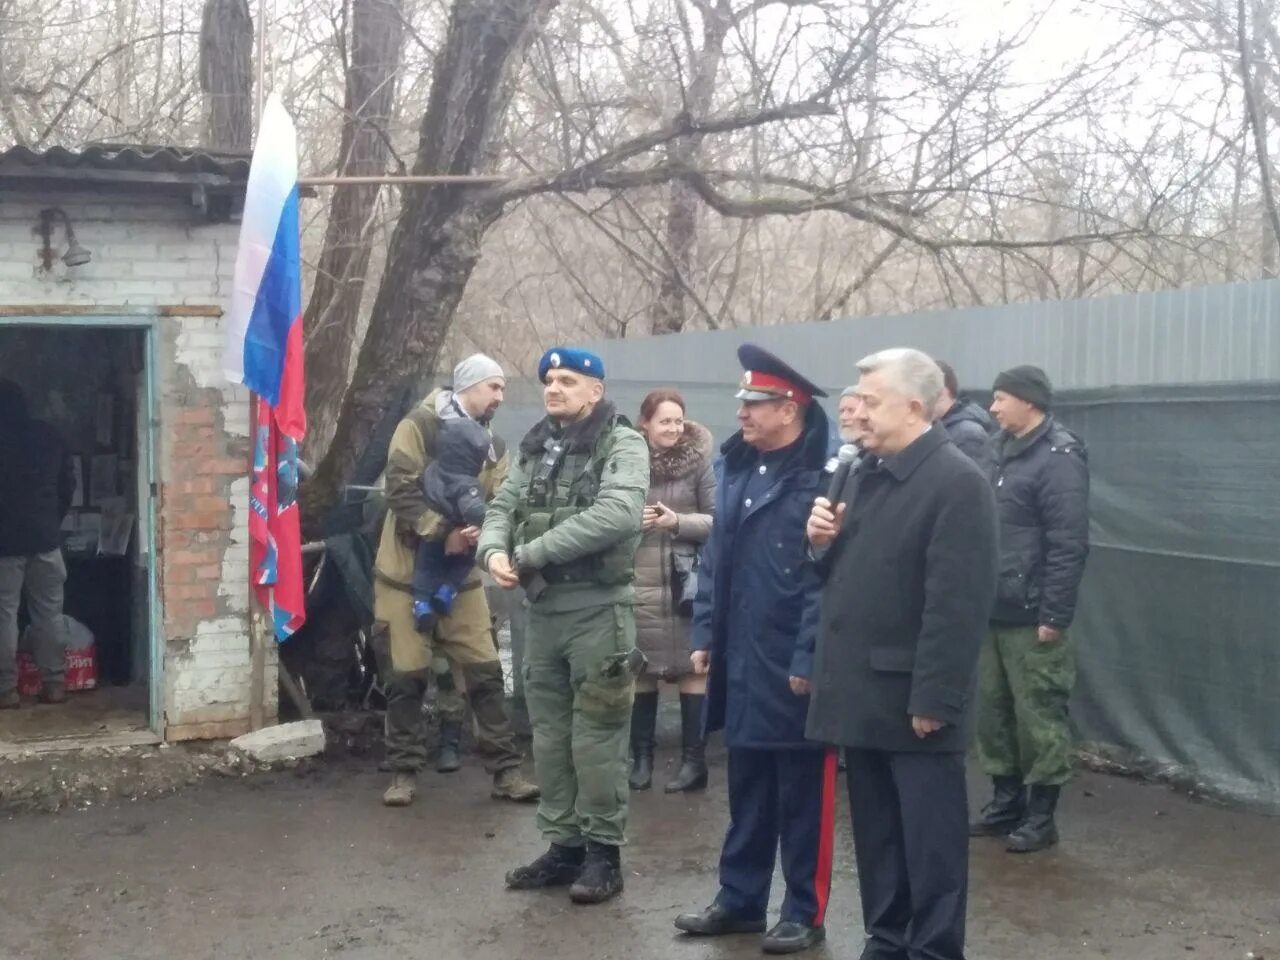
[{"x": 826, "y": 836}]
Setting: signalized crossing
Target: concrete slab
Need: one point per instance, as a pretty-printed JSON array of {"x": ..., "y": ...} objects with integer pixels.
[{"x": 285, "y": 741}]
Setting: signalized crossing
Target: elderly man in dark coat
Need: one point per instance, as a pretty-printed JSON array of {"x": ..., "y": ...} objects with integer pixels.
[
  {"x": 753, "y": 626},
  {"x": 908, "y": 557}
]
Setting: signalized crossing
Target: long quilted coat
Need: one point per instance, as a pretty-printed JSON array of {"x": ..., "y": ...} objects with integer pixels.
[{"x": 680, "y": 477}]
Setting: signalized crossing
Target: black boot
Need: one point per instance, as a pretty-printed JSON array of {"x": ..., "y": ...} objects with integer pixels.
[
  {"x": 601, "y": 876},
  {"x": 1001, "y": 816},
  {"x": 450, "y": 735},
  {"x": 558, "y": 867},
  {"x": 692, "y": 774},
  {"x": 1037, "y": 831},
  {"x": 644, "y": 719}
]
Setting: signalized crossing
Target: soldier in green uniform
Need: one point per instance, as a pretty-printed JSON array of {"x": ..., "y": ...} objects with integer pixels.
[
  {"x": 565, "y": 525},
  {"x": 1027, "y": 667}
]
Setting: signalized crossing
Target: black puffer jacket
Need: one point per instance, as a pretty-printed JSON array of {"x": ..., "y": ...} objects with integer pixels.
[
  {"x": 36, "y": 485},
  {"x": 1042, "y": 490},
  {"x": 970, "y": 428}
]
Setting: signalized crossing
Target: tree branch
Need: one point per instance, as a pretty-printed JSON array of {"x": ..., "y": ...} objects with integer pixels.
[{"x": 1256, "y": 122}]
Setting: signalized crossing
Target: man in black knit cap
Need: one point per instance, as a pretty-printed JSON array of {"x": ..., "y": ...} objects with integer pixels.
[{"x": 1026, "y": 670}]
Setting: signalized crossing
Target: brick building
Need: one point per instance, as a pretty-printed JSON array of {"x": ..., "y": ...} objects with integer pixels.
[{"x": 116, "y": 268}]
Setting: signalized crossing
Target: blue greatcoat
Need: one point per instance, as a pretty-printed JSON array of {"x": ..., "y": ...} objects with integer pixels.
[{"x": 757, "y": 605}]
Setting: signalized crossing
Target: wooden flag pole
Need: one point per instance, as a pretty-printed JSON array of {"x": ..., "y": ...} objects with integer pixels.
[
  {"x": 434, "y": 179},
  {"x": 262, "y": 57},
  {"x": 257, "y": 615}
]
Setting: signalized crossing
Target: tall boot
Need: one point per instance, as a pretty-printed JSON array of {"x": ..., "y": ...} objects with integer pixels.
[
  {"x": 1001, "y": 816},
  {"x": 692, "y": 774},
  {"x": 644, "y": 721},
  {"x": 1037, "y": 831},
  {"x": 448, "y": 760}
]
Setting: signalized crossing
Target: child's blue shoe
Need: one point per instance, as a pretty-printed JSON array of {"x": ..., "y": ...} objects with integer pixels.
[
  {"x": 442, "y": 599},
  {"x": 424, "y": 617}
]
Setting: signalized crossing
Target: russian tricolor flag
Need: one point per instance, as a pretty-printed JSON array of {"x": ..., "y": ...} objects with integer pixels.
[
  {"x": 264, "y": 352},
  {"x": 264, "y": 330}
]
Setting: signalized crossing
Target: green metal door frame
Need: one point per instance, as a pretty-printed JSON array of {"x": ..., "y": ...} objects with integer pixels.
[{"x": 145, "y": 321}]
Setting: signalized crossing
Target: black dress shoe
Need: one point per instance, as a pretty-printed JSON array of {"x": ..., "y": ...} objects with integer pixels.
[
  {"x": 716, "y": 921},
  {"x": 791, "y": 937}
]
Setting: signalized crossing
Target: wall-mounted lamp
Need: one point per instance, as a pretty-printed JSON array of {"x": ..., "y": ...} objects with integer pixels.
[{"x": 75, "y": 255}]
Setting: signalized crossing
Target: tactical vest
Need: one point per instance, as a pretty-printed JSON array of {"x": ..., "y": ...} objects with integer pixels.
[{"x": 564, "y": 486}]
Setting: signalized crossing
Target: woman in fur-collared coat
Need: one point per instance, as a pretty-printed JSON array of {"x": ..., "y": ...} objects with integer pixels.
[{"x": 677, "y": 520}]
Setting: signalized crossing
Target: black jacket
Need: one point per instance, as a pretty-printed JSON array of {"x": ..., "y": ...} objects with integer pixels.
[
  {"x": 971, "y": 428},
  {"x": 1042, "y": 488},
  {"x": 36, "y": 484},
  {"x": 909, "y": 583},
  {"x": 757, "y": 605}
]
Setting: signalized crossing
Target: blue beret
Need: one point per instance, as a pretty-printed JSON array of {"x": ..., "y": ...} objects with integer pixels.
[{"x": 571, "y": 358}]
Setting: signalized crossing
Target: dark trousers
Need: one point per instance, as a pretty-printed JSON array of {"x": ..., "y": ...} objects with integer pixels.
[
  {"x": 787, "y": 796},
  {"x": 433, "y": 569},
  {"x": 911, "y": 840}
]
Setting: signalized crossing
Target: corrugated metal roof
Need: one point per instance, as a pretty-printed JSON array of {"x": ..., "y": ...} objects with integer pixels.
[{"x": 138, "y": 162}]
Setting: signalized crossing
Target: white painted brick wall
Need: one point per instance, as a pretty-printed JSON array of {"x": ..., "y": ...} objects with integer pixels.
[
  {"x": 158, "y": 253},
  {"x": 144, "y": 253}
]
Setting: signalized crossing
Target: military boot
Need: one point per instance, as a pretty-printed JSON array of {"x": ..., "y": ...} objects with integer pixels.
[
  {"x": 558, "y": 867},
  {"x": 9, "y": 700},
  {"x": 601, "y": 876},
  {"x": 510, "y": 784},
  {"x": 692, "y": 774},
  {"x": 450, "y": 736},
  {"x": 644, "y": 720},
  {"x": 402, "y": 790},
  {"x": 1001, "y": 816},
  {"x": 1037, "y": 831},
  {"x": 55, "y": 691}
]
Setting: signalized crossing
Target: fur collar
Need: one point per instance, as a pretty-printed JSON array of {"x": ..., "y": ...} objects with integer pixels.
[{"x": 687, "y": 457}]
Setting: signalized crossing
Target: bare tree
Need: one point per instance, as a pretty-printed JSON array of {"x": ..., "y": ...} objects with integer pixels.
[
  {"x": 331, "y": 319},
  {"x": 437, "y": 238},
  {"x": 226, "y": 74}
]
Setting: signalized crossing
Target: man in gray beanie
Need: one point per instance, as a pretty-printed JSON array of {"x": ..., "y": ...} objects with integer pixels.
[
  {"x": 460, "y": 631},
  {"x": 1026, "y": 670},
  {"x": 477, "y": 370}
]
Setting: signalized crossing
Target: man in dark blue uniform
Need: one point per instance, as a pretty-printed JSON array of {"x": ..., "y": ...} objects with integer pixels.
[{"x": 754, "y": 623}]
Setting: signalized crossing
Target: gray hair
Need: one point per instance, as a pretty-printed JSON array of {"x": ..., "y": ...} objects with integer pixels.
[{"x": 911, "y": 373}]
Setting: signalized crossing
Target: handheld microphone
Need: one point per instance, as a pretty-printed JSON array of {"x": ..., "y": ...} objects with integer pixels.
[{"x": 845, "y": 459}]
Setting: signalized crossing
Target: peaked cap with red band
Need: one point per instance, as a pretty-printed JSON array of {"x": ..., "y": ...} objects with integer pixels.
[{"x": 766, "y": 377}]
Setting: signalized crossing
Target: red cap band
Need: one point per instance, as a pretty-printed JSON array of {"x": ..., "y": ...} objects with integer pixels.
[{"x": 769, "y": 383}]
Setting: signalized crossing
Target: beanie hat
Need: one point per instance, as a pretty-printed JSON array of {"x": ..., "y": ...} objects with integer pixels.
[
  {"x": 1027, "y": 383},
  {"x": 477, "y": 368}
]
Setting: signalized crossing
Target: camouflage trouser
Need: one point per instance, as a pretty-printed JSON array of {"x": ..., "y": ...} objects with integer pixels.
[
  {"x": 1023, "y": 689},
  {"x": 581, "y": 721},
  {"x": 450, "y": 705},
  {"x": 465, "y": 641}
]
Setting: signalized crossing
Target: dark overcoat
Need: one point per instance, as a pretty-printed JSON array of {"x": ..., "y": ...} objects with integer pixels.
[
  {"x": 757, "y": 604},
  {"x": 909, "y": 584}
]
